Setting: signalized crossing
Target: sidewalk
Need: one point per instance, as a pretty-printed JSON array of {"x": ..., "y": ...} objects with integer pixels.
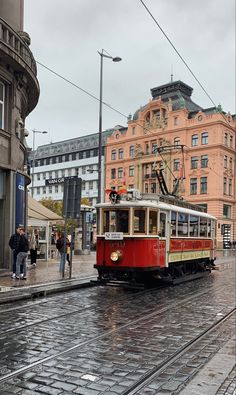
[{"x": 46, "y": 278}]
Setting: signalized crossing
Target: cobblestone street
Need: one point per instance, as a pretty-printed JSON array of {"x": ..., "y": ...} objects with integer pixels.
[{"x": 105, "y": 340}]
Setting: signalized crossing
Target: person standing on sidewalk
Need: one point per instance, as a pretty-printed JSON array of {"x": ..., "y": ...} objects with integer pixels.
[
  {"x": 62, "y": 251},
  {"x": 22, "y": 253},
  {"x": 34, "y": 245},
  {"x": 14, "y": 244}
]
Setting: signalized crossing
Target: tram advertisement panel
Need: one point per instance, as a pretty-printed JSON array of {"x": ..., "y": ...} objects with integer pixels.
[{"x": 20, "y": 200}]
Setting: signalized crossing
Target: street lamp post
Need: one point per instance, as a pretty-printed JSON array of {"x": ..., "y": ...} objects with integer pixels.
[
  {"x": 116, "y": 59},
  {"x": 33, "y": 160}
]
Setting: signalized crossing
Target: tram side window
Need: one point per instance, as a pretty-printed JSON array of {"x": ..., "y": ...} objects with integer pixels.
[
  {"x": 173, "y": 223},
  {"x": 182, "y": 224},
  {"x": 194, "y": 226},
  {"x": 208, "y": 228},
  {"x": 162, "y": 232},
  {"x": 139, "y": 221},
  {"x": 152, "y": 222},
  {"x": 203, "y": 227}
]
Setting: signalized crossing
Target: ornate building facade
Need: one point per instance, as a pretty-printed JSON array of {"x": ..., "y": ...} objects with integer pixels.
[
  {"x": 195, "y": 147},
  {"x": 19, "y": 93}
]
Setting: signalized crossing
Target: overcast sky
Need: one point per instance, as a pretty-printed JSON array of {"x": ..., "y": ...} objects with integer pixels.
[{"x": 66, "y": 35}]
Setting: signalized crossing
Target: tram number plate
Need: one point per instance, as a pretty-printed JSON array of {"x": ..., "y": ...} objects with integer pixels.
[{"x": 113, "y": 235}]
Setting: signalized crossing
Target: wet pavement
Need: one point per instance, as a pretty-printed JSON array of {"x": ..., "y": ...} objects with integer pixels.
[{"x": 104, "y": 340}]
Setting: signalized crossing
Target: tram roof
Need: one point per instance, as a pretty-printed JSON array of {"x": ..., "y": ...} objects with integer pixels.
[{"x": 154, "y": 204}]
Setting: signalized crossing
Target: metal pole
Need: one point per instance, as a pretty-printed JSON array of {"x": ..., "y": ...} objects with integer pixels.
[
  {"x": 33, "y": 164},
  {"x": 100, "y": 132}
]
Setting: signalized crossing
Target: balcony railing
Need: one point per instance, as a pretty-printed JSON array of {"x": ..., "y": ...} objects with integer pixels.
[{"x": 13, "y": 44}]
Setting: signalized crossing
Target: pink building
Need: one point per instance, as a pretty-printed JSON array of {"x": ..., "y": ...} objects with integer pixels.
[{"x": 193, "y": 145}]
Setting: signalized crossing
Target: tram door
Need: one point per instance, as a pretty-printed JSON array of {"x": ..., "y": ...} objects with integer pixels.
[{"x": 164, "y": 239}]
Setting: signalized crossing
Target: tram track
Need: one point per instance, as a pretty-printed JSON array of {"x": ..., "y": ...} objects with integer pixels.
[
  {"x": 89, "y": 306},
  {"x": 140, "y": 384},
  {"x": 117, "y": 329}
]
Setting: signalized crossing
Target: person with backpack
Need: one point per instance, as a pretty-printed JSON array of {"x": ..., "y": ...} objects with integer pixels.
[
  {"x": 22, "y": 253},
  {"x": 62, "y": 251}
]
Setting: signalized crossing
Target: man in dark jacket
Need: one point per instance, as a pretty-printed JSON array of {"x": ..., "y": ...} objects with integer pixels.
[
  {"x": 14, "y": 244},
  {"x": 22, "y": 253}
]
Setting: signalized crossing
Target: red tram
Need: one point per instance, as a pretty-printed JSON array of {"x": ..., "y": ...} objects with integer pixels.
[{"x": 147, "y": 239}]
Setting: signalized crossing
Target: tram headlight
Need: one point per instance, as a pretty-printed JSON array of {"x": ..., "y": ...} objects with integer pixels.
[{"x": 115, "y": 256}]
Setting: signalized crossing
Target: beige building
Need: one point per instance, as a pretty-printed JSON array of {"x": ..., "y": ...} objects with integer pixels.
[
  {"x": 19, "y": 93},
  {"x": 194, "y": 146}
]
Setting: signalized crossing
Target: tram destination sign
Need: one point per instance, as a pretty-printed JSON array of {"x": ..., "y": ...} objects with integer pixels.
[{"x": 113, "y": 235}]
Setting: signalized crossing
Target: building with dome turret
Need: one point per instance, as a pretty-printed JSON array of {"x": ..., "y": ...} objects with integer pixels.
[
  {"x": 193, "y": 146},
  {"x": 19, "y": 93}
]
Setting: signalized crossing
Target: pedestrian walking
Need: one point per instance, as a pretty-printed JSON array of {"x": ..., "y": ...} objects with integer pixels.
[
  {"x": 62, "y": 251},
  {"x": 68, "y": 244},
  {"x": 34, "y": 246},
  {"x": 22, "y": 253},
  {"x": 13, "y": 244}
]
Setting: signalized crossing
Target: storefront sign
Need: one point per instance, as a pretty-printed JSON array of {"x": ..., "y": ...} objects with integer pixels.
[
  {"x": 20, "y": 200},
  {"x": 60, "y": 180}
]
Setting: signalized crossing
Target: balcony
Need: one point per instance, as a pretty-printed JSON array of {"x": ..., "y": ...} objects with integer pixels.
[{"x": 16, "y": 53}]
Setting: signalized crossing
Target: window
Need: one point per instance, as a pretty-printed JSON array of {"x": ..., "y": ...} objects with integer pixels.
[
  {"x": 120, "y": 172},
  {"x": 153, "y": 187},
  {"x": 193, "y": 226},
  {"x": 154, "y": 147},
  {"x": 203, "y": 206},
  {"x": 113, "y": 174},
  {"x": 162, "y": 232},
  {"x": 203, "y": 185},
  {"x": 225, "y": 186},
  {"x": 38, "y": 191},
  {"x": 226, "y": 139},
  {"x": 176, "y": 141},
  {"x": 133, "y": 130},
  {"x": 204, "y": 161},
  {"x": 204, "y": 138},
  {"x": 131, "y": 151},
  {"x": 56, "y": 173},
  {"x": 203, "y": 227},
  {"x": 50, "y": 189},
  {"x": 176, "y": 164},
  {"x": 113, "y": 154},
  {"x": 225, "y": 161},
  {"x": 193, "y": 186},
  {"x": 147, "y": 148},
  {"x": 173, "y": 223},
  {"x": 176, "y": 121},
  {"x": 2, "y": 99},
  {"x": 121, "y": 153},
  {"x": 194, "y": 162},
  {"x": 139, "y": 221},
  {"x": 50, "y": 175},
  {"x": 56, "y": 188},
  {"x": 231, "y": 163},
  {"x": 90, "y": 184},
  {"x": 146, "y": 187},
  {"x": 131, "y": 171},
  {"x": 153, "y": 222},
  {"x": 116, "y": 221},
  {"x": 83, "y": 169},
  {"x": 194, "y": 140},
  {"x": 231, "y": 141},
  {"x": 44, "y": 176},
  {"x": 230, "y": 187},
  {"x": 182, "y": 224},
  {"x": 226, "y": 211},
  {"x": 44, "y": 190},
  {"x": 83, "y": 185},
  {"x": 69, "y": 171},
  {"x": 38, "y": 176}
]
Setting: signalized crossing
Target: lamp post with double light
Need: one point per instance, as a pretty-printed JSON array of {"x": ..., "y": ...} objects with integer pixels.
[
  {"x": 115, "y": 59},
  {"x": 33, "y": 159}
]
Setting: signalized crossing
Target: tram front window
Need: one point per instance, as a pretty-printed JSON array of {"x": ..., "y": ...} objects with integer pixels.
[{"x": 116, "y": 221}]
